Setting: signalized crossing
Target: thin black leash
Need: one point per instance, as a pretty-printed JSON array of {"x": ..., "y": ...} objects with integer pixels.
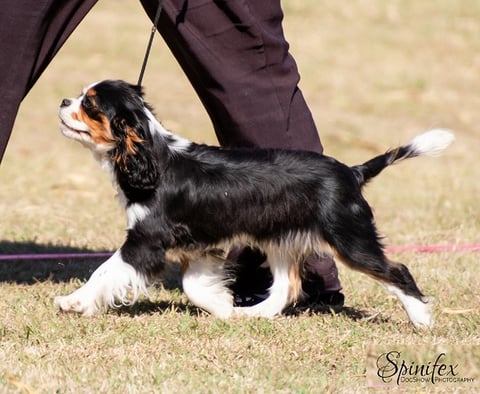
[{"x": 150, "y": 41}]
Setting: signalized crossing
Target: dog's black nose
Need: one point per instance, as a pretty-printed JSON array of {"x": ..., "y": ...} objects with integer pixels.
[{"x": 65, "y": 103}]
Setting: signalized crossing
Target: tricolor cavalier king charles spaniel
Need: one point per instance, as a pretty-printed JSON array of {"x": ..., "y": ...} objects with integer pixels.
[{"x": 192, "y": 202}]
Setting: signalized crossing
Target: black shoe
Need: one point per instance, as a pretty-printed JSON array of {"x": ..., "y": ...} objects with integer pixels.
[
  {"x": 251, "y": 280},
  {"x": 248, "y": 300},
  {"x": 317, "y": 297},
  {"x": 329, "y": 301}
]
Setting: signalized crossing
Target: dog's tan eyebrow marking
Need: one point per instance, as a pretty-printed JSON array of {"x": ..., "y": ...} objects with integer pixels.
[
  {"x": 90, "y": 95},
  {"x": 99, "y": 127},
  {"x": 91, "y": 86}
]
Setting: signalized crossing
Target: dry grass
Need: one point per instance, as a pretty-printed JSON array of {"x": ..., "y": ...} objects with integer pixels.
[{"x": 375, "y": 73}]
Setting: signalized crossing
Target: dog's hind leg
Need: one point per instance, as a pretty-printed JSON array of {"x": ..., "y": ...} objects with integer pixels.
[
  {"x": 361, "y": 250},
  {"x": 205, "y": 284},
  {"x": 279, "y": 292},
  {"x": 397, "y": 279}
]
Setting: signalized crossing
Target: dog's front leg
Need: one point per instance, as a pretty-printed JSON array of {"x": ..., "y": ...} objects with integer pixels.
[{"x": 113, "y": 284}]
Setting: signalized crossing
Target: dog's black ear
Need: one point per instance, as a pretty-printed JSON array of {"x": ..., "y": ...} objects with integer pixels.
[{"x": 134, "y": 158}]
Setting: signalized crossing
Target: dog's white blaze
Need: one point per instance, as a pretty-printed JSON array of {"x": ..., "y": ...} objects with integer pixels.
[
  {"x": 419, "y": 313},
  {"x": 136, "y": 213},
  {"x": 87, "y": 88},
  {"x": 113, "y": 284},
  {"x": 65, "y": 114},
  {"x": 205, "y": 285},
  {"x": 433, "y": 142}
]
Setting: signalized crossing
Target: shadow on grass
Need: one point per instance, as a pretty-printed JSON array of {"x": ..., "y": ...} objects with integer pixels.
[
  {"x": 353, "y": 314},
  {"x": 29, "y": 271},
  {"x": 147, "y": 307},
  {"x": 59, "y": 270}
]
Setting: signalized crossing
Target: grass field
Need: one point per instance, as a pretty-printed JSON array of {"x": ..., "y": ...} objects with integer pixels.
[{"x": 375, "y": 73}]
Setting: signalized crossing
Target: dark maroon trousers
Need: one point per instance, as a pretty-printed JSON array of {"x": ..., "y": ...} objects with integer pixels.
[{"x": 233, "y": 52}]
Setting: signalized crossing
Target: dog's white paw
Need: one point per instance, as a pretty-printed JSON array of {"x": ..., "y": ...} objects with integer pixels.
[
  {"x": 255, "y": 311},
  {"x": 422, "y": 315},
  {"x": 76, "y": 303},
  {"x": 223, "y": 314},
  {"x": 419, "y": 311}
]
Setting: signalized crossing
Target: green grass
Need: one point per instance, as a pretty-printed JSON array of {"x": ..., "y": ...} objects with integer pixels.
[{"x": 375, "y": 74}]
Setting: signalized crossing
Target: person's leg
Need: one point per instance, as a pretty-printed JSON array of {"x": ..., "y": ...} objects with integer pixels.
[
  {"x": 236, "y": 57},
  {"x": 32, "y": 32},
  {"x": 321, "y": 284}
]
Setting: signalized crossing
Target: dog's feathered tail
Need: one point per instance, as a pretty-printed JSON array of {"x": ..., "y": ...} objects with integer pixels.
[{"x": 431, "y": 143}]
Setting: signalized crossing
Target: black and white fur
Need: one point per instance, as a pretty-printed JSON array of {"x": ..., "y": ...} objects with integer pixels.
[{"x": 193, "y": 202}]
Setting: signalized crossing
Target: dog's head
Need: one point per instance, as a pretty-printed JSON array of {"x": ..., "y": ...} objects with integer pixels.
[{"x": 111, "y": 118}]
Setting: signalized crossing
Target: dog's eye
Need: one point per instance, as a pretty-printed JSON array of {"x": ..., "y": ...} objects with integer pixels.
[{"x": 87, "y": 103}]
